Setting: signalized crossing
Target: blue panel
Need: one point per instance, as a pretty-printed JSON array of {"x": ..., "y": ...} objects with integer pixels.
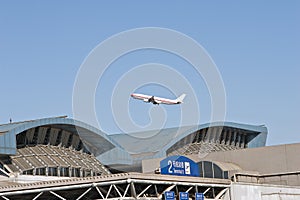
[
  {"x": 199, "y": 196},
  {"x": 258, "y": 141},
  {"x": 169, "y": 195},
  {"x": 183, "y": 196},
  {"x": 179, "y": 166},
  {"x": 8, "y": 144}
]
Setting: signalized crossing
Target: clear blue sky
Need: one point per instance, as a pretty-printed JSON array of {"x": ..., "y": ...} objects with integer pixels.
[{"x": 255, "y": 45}]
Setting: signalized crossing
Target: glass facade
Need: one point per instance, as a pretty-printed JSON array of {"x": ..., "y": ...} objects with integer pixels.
[{"x": 211, "y": 170}]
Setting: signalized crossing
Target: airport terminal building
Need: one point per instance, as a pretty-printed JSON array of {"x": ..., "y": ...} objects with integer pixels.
[{"x": 61, "y": 158}]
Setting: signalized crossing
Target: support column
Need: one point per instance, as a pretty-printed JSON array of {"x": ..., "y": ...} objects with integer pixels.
[
  {"x": 203, "y": 135},
  {"x": 206, "y": 139},
  {"x": 218, "y": 135},
  {"x": 223, "y": 136},
  {"x": 239, "y": 139},
  {"x": 228, "y": 139},
  {"x": 243, "y": 140},
  {"x": 233, "y": 141},
  {"x": 58, "y": 171},
  {"x": 132, "y": 190},
  {"x": 214, "y": 135}
]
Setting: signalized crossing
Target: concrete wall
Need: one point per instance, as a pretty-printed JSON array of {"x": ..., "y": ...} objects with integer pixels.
[
  {"x": 239, "y": 191},
  {"x": 265, "y": 160},
  {"x": 149, "y": 166}
]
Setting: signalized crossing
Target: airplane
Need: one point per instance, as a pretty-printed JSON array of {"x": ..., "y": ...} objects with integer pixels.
[{"x": 158, "y": 100}]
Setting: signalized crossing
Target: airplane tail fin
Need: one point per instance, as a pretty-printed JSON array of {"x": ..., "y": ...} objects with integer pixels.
[{"x": 180, "y": 98}]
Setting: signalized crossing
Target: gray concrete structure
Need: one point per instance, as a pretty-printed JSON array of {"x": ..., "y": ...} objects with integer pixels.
[
  {"x": 40, "y": 158},
  {"x": 277, "y": 165},
  {"x": 204, "y": 138},
  {"x": 263, "y": 160},
  {"x": 117, "y": 151},
  {"x": 246, "y": 191},
  {"x": 53, "y": 147}
]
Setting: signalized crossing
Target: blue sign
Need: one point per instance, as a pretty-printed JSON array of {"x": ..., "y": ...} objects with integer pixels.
[
  {"x": 169, "y": 195},
  {"x": 179, "y": 166},
  {"x": 183, "y": 196},
  {"x": 199, "y": 196}
]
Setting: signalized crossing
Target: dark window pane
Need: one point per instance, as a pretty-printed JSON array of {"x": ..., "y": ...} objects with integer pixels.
[
  {"x": 52, "y": 171},
  {"x": 218, "y": 173},
  {"x": 225, "y": 174},
  {"x": 40, "y": 171},
  {"x": 200, "y": 169},
  {"x": 208, "y": 173}
]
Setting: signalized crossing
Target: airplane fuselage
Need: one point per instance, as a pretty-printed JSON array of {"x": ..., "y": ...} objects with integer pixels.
[{"x": 156, "y": 100}]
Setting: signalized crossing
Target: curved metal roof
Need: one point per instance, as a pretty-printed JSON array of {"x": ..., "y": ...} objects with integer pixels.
[
  {"x": 90, "y": 136},
  {"x": 193, "y": 129},
  {"x": 156, "y": 141},
  {"x": 122, "y": 149}
]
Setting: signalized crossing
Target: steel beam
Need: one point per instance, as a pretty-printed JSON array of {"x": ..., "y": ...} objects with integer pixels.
[{"x": 57, "y": 195}]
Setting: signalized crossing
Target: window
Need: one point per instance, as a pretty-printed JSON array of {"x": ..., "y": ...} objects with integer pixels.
[
  {"x": 52, "y": 171},
  {"x": 40, "y": 171},
  {"x": 209, "y": 169},
  {"x": 201, "y": 173},
  {"x": 64, "y": 171},
  {"x": 218, "y": 173},
  {"x": 28, "y": 172}
]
